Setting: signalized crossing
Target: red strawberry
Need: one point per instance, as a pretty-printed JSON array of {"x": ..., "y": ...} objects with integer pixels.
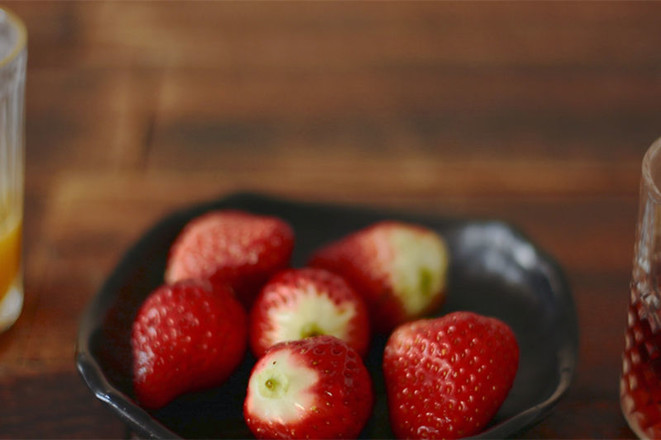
[
  {"x": 299, "y": 303},
  {"x": 399, "y": 268},
  {"x": 310, "y": 388},
  {"x": 447, "y": 377},
  {"x": 234, "y": 247},
  {"x": 186, "y": 337}
]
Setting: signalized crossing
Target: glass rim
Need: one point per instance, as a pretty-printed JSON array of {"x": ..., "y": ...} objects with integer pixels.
[
  {"x": 650, "y": 156},
  {"x": 21, "y": 37}
]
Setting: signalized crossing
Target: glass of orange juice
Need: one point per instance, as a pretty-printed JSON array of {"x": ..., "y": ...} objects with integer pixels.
[{"x": 13, "y": 59}]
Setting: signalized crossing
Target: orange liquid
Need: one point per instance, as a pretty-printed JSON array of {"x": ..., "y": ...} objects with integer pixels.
[
  {"x": 640, "y": 385},
  {"x": 10, "y": 254}
]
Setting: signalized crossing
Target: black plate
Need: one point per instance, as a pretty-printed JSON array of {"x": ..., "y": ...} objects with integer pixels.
[{"x": 495, "y": 270}]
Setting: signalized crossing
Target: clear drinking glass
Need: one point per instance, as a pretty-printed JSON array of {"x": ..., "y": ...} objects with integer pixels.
[
  {"x": 13, "y": 58},
  {"x": 640, "y": 383}
]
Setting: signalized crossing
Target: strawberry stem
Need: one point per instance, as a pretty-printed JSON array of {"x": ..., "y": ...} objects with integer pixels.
[
  {"x": 310, "y": 330},
  {"x": 275, "y": 386},
  {"x": 425, "y": 281}
]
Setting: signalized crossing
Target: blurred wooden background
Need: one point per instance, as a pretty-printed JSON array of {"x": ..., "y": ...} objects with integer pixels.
[{"x": 534, "y": 112}]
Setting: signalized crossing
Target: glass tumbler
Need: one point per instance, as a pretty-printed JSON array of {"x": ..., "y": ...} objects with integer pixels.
[
  {"x": 13, "y": 58},
  {"x": 640, "y": 383}
]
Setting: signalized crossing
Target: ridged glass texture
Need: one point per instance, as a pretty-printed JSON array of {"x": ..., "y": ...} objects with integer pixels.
[{"x": 13, "y": 59}]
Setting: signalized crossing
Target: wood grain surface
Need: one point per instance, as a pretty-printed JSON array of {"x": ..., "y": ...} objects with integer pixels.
[{"x": 537, "y": 113}]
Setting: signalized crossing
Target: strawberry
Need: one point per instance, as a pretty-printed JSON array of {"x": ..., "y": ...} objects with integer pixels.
[
  {"x": 227, "y": 246},
  {"x": 399, "y": 268},
  {"x": 299, "y": 303},
  {"x": 186, "y": 337},
  {"x": 447, "y": 377},
  {"x": 309, "y": 388}
]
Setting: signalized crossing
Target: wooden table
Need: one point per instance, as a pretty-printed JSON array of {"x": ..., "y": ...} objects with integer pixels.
[{"x": 535, "y": 113}]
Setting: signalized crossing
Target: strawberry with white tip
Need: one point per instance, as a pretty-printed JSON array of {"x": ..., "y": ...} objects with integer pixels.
[
  {"x": 399, "y": 268},
  {"x": 300, "y": 303},
  {"x": 310, "y": 388}
]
